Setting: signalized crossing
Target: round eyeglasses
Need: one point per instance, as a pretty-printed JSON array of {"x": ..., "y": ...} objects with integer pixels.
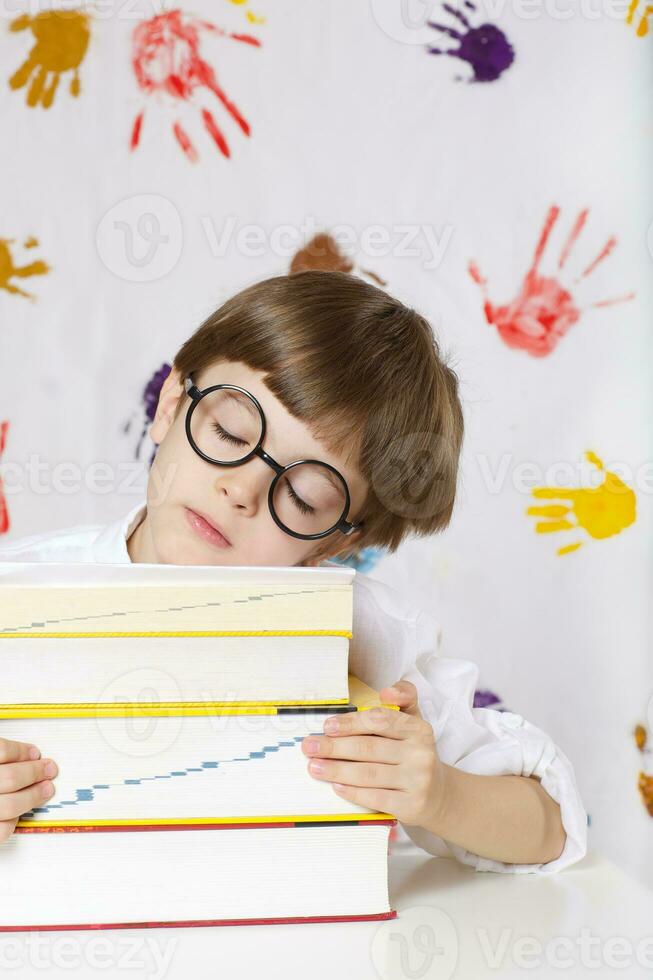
[{"x": 308, "y": 499}]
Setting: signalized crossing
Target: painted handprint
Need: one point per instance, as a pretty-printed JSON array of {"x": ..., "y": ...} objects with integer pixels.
[
  {"x": 62, "y": 38},
  {"x": 249, "y": 13},
  {"x": 642, "y": 24},
  {"x": 323, "y": 253},
  {"x": 485, "y": 48},
  {"x": 9, "y": 270},
  {"x": 149, "y": 402},
  {"x": 4, "y": 510},
  {"x": 543, "y": 310},
  {"x": 645, "y": 779},
  {"x": 166, "y": 60},
  {"x": 601, "y": 511}
]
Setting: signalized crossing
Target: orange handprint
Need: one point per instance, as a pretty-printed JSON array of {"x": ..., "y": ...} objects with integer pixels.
[
  {"x": 8, "y": 270},
  {"x": 323, "y": 253},
  {"x": 642, "y": 27},
  {"x": 62, "y": 38},
  {"x": 601, "y": 511},
  {"x": 645, "y": 779},
  {"x": 544, "y": 310}
]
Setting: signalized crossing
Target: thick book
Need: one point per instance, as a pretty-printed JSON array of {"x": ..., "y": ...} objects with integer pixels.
[
  {"x": 189, "y": 875},
  {"x": 84, "y": 634},
  {"x": 201, "y": 766}
]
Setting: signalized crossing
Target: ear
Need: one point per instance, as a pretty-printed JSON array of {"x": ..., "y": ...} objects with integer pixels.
[
  {"x": 337, "y": 544},
  {"x": 171, "y": 391}
]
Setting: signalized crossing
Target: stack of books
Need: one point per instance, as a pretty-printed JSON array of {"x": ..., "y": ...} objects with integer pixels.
[{"x": 175, "y": 701}]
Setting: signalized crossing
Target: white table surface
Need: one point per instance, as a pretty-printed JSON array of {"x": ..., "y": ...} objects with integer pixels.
[{"x": 453, "y": 922}]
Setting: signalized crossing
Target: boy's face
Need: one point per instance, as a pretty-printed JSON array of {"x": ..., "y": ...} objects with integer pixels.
[{"x": 182, "y": 487}]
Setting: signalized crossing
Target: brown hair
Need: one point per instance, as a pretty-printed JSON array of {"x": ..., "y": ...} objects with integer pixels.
[{"x": 365, "y": 373}]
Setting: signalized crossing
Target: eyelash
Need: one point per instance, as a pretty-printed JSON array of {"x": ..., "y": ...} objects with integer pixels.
[
  {"x": 227, "y": 436},
  {"x": 299, "y": 503}
]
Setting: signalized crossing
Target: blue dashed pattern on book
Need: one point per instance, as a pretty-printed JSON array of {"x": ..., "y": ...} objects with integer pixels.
[{"x": 87, "y": 794}]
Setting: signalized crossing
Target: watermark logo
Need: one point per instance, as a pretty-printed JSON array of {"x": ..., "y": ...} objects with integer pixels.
[
  {"x": 140, "y": 239},
  {"x": 422, "y": 944}
]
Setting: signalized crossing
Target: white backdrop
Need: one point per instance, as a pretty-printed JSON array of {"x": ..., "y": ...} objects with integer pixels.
[{"x": 356, "y": 128}]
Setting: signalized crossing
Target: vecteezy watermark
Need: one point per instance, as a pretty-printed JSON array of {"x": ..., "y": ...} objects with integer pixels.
[
  {"x": 407, "y": 21},
  {"x": 421, "y": 944},
  {"x": 125, "y": 10},
  {"x": 421, "y": 242},
  {"x": 132, "y": 733},
  {"x": 42, "y": 477},
  {"x": 151, "y": 955},
  {"x": 140, "y": 239},
  {"x": 564, "y": 952},
  {"x": 406, "y": 479}
]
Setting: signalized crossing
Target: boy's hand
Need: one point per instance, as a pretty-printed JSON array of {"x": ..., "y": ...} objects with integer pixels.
[
  {"x": 24, "y": 782},
  {"x": 396, "y": 770}
]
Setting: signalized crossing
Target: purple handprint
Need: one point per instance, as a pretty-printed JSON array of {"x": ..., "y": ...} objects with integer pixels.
[{"x": 485, "y": 47}]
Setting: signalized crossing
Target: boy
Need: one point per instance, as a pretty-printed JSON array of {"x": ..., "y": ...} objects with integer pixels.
[{"x": 311, "y": 416}]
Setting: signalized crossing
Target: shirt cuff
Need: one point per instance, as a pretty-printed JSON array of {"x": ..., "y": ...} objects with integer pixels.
[{"x": 556, "y": 776}]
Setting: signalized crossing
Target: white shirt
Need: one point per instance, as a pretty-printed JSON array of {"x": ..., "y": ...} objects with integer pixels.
[{"x": 394, "y": 640}]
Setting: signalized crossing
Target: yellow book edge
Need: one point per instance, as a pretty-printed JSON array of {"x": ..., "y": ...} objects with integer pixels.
[
  {"x": 361, "y": 696},
  {"x": 102, "y": 634},
  {"x": 202, "y": 821}
]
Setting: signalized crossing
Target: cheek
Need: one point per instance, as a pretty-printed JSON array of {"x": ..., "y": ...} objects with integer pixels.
[
  {"x": 273, "y": 547},
  {"x": 174, "y": 468}
]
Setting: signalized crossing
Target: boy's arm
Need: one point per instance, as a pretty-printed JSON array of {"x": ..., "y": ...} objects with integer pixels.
[
  {"x": 513, "y": 803},
  {"x": 486, "y": 748},
  {"x": 506, "y": 818}
]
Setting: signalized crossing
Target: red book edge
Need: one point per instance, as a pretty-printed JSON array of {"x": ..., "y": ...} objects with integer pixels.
[
  {"x": 186, "y": 923},
  {"x": 149, "y": 828}
]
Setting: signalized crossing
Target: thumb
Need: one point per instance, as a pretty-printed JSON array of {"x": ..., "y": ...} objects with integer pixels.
[{"x": 404, "y": 695}]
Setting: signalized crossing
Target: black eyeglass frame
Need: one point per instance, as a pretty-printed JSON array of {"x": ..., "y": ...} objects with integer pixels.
[{"x": 196, "y": 395}]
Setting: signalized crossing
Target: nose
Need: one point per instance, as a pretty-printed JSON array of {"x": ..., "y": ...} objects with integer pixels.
[{"x": 244, "y": 487}]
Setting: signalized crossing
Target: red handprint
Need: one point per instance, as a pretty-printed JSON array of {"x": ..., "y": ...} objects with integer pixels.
[
  {"x": 4, "y": 510},
  {"x": 166, "y": 59},
  {"x": 544, "y": 310}
]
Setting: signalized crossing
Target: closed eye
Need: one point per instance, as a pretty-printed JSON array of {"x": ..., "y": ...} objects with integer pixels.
[
  {"x": 227, "y": 436},
  {"x": 300, "y": 504}
]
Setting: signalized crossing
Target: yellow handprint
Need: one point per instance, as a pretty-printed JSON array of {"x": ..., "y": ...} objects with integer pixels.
[
  {"x": 601, "y": 511},
  {"x": 642, "y": 27},
  {"x": 249, "y": 14},
  {"x": 62, "y": 38},
  {"x": 8, "y": 270}
]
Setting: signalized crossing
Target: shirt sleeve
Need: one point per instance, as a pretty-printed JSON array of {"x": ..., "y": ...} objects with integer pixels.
[{"x": 487, "y": 741}]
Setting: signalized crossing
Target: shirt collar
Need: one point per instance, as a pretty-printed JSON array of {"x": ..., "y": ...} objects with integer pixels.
[{"x": 111, "y": 543}]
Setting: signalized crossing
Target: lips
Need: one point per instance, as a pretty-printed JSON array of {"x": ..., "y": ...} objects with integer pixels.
[{"x": 207, "y": 529}]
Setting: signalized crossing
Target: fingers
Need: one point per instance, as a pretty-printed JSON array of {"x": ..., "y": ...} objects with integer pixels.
[
  {"x": 14, "y": 804},
  {"x": 16, "y": 775},
  {"x": 7, "y": 828},
  {"x": 25, "y": 782},
  {"x": 367, "y": 748},
  {"x": 404, "y": 695},
  {"x": 363, "y": 774},
  {"x": 11, "y": 751},
  {"x": 383, "y": 800},
  {"x": 376, "y": 721}
]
